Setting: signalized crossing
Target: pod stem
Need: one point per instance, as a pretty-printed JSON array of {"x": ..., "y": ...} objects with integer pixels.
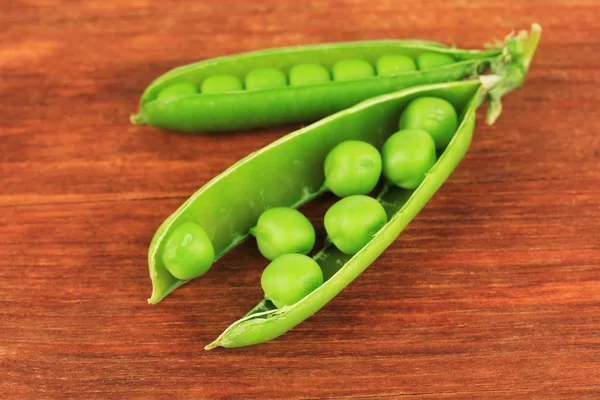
[{"x": 512, "y": 68}]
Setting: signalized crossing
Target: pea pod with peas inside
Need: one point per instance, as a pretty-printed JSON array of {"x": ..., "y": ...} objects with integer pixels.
[
  {"x": 279, "y": 175},
  {"x": 300, "y": 84}
]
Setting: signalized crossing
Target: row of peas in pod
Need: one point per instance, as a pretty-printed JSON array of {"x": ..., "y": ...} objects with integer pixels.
[
  {"x": 352, "y": 170},
  {"x": 308, "y": 74}
]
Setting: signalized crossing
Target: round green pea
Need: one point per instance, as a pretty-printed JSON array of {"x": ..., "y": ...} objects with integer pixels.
[
  {"x": 352, "y": 69},
  {"x": 429, "y": 60},
  {"x": 352, "y": 167},
  {"x": 188, "y": 252},
  {"x": 434, "y": 115},
  {"x": 283, "y": 230},
  {"x": 289, "y": 278},
  {"x": 351, "y": 222},
  {"x": 407, "y": 156},
  {"x": 265, "y": 78},
  {"x": 394, "y": 64},
  {"x": 308, "y": 74},
  {"x": 221, "y": 84},
  {"x": 177, "y": 90}
]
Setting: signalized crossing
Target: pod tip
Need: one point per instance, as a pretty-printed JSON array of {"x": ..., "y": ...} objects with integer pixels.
[
  {"x": 137, "y": 119},
  {"x": 154, "y": 299},
  {"x": 211, "y": 346}
]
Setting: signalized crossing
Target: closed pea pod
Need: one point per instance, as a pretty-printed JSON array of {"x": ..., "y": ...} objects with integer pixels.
[
  {"x": 280, "y": 175},
  {"x": 268, "y": 100}
]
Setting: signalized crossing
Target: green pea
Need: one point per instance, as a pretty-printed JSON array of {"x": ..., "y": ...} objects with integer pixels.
[
  {"x": 177, "y": 90},
  {"x": 289, "y": 278},
  {"x": 429, "y": 60},
  {"x": 352, "y": 167},
  {"x": 407, "y": 156},
  {"x": 394, "y": 64},
  {"x": 188, "y": 252},
  {"x": 265, "y": 78},
  {"x": 283, "y": 230},
  {"x": 308, "y": 74},
  {"x": 351, "y": 222},
  {"x": 352, "y": 69},
  {"x": 221, "y": 84},
  {"x": 434, "y": 115}
]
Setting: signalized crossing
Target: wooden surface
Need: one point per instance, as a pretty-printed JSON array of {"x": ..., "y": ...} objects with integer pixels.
[{"x": 493, "y": 292}]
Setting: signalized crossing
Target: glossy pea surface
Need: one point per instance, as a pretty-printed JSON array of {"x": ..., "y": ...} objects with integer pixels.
[
  {"x": 434, "y": 115},
  {"x": 429, "y": 60},
  {"x": 351, "y": 222},
  {"x": 394, "y": 64},
  {"x": 352, "y": 167},
  {"x": 265, "y": 78},
  {"x": 221, "y": 84},
  {"x": 283, "y": 230},
  {"x": 177, "y": 90},
  {"x": 188, "y": 252},
  {"x": 289, "y": 278},
  {"x": 352, "y": 69},
  {"x": 308, "y": 74},
  {"x": 407, "y": 156}
]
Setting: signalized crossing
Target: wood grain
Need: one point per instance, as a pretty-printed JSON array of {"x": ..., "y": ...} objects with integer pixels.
[{"x": 493, "y": 292}]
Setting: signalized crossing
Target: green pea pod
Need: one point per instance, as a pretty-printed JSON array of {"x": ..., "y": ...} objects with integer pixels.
[
  {"x": 242, "y": 109},
  {"x": 280, "y": 175}
]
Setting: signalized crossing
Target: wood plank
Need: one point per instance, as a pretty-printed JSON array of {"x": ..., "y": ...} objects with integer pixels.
[{"x": 493, "y": 292}]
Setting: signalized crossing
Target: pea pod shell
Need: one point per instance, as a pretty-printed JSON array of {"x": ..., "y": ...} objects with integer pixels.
[{"x": 260, "y": 108}]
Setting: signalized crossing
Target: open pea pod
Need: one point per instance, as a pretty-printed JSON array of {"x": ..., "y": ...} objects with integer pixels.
[{"x": 260, "y": 107}]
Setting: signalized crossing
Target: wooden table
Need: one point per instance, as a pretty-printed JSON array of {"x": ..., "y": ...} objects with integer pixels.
[{"x": 493, "y": 292}]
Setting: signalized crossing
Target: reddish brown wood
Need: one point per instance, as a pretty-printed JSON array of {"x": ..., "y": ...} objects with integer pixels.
[{"x": 493, "y": 292}]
